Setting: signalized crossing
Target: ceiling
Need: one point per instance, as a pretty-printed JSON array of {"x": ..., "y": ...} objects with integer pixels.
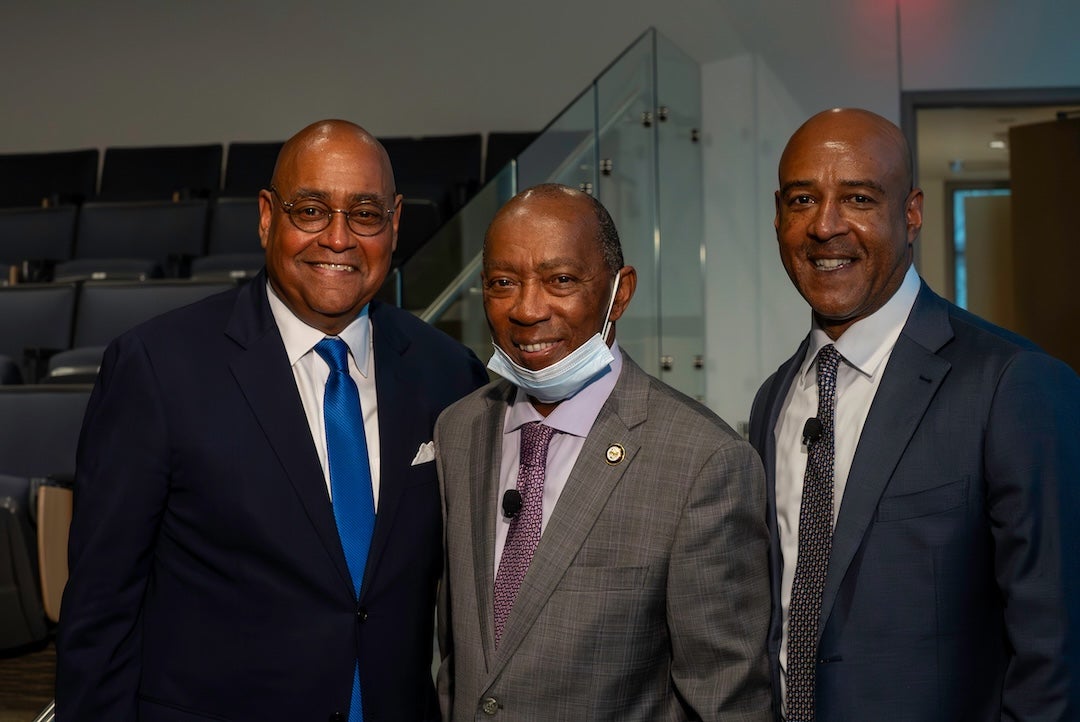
[{"x": 954, "y": 143}]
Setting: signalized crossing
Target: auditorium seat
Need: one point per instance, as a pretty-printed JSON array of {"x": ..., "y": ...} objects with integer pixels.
[
  {"x": 36, "y": 321},
  {"x": 227, "y": 266},
  {"x": 41, "y": 429},
  {"x": 166, "y": 232},
  {"x": 233, "y": 248},
  {"x": 234, "y": 226},
  {"x": 420, "y": 218},
  {"x": 161, "y": 172},
  {"x": 107, "y": 269},
  {"x": 37, "y": 234},
  {"x": 106, "y": 309},
  {"x": 48, "y": 179},
  {"x": 37, "y": 450},
  {"x": 444, "y": 169},
  {"x": 249, "y": 167}
]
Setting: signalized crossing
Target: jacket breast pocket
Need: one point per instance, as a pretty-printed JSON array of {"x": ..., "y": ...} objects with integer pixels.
[
  {"x": 924, "y": 503},
  {"x": 608, "y": 579}
]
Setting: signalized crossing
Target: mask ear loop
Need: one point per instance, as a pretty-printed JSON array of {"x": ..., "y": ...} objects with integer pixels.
[{"x": 611, "y": 304}]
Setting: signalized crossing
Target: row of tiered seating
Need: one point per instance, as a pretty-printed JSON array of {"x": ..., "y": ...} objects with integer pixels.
[
  {"x": 37, "y": 461},
  {"x": 57, "y": 332},
  {"x": 169, "y": 211}
]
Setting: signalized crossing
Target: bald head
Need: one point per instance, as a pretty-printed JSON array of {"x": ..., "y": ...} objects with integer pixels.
[
  {"x": 332, "y": 136},
  {"x": 855, "y": 126},
  {"x": 574, "y": 201}
]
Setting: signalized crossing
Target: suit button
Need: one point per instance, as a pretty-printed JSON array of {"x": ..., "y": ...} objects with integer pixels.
[
  {"x": 490, "y": 706},
  {"x": 337, "y": 717},
  {"x": 361, "y": 614}
]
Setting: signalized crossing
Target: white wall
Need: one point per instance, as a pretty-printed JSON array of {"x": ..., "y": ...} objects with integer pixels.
[{"x": 126, "y": 72}]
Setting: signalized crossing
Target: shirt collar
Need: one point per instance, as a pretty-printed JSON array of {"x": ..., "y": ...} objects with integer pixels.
[
  {"x": 576, "y": 414},
  {"x": 300, "y": 338},
  {"x": 869, "y": 341}
]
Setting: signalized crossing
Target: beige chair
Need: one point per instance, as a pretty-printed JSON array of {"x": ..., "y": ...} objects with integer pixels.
[{"x": 53, "y": 521}]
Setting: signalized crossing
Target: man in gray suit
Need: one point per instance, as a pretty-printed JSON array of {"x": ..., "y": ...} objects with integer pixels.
[
  {"x": 620, "y": 573},
  {"x": 948, "y": 586}
]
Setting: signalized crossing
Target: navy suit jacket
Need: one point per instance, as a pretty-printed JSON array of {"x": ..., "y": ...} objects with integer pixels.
[
  {"x": 207, "y": 577},
  {"x": 952, "y": 585}
]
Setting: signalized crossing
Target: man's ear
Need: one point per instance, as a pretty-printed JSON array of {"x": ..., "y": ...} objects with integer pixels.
[
  {"x": 266, "y": 210},
  {"x": 627, "y": 286}
]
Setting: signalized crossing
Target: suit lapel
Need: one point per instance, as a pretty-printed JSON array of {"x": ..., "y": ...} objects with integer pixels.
[
  {"x": 772, "y": 405},
  {"x": 911, "y": 379},
  {"x": 590, "y": 484},
  {"x": 398, "y": 410},
  {"x": 484, "y": 489},
  {"x": 265, "y": 378}
]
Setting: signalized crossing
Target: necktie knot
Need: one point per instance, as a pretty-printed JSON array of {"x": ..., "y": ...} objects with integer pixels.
[
  {"x": 828, "y": 361},
  {"x": 335, "y": 353},
  {"x": 535, "y": 438}
]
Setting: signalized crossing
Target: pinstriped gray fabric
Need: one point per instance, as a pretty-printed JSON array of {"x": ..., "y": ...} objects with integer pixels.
[{"x": 647, "y": 596}]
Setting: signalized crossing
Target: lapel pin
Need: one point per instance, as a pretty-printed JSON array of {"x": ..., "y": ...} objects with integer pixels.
[{"x": 615, "y": 454}]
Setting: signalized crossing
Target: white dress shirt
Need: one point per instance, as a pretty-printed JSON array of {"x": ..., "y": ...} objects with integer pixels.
[
  {"x": 311, "y": 372},
  {"x": 572, "y": 419},
  {"x": 865, "y": 347}
]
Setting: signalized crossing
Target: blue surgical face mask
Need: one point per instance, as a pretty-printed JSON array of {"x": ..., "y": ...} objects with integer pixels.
[{"x": 568, "y": 375}]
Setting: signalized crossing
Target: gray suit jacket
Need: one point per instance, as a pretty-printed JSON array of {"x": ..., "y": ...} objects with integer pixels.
[
  {"x": 647, "y": 597},
  {"x": 952, "y": 590}
]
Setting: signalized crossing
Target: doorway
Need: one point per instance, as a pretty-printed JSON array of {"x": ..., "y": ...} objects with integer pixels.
[{"x": 960, "y": 141}]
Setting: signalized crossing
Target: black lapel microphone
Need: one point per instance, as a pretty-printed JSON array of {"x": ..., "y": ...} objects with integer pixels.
[
  {"x": 811, "y": 431},
  {"x": 511, "y": 503}
]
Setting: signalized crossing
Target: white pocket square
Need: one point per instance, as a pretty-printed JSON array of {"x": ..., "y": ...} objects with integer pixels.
[{"x": 424, "y": 454}]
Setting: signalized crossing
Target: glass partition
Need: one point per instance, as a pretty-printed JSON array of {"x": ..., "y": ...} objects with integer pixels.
[
  {"x": 630, "y": 139},
  {"x": 682, "y": 220}
]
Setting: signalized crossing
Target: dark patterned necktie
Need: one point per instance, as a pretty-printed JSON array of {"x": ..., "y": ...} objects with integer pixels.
[
  {"x": 815, "y": 543},
  {"x": 524, "y": 532},
  {"x": 350, "y": 475}
]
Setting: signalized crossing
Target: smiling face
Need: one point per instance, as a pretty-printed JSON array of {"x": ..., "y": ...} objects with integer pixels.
[
  {"x": 546, "y": 282},
  {"x": 846, "y": 215},
  {"x": 326, "y": 278}
]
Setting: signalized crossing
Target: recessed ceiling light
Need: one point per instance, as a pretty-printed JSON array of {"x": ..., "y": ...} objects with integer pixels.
[{"x": 997, "y": 144}]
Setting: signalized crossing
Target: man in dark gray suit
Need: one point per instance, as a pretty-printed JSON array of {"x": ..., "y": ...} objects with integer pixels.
[
  {"x": 647, "y": 593},
  {"x": 950, "y": 565}
]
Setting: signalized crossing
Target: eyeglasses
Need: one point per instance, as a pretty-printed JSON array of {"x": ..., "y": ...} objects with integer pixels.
[{"x": 310, "y": 215}]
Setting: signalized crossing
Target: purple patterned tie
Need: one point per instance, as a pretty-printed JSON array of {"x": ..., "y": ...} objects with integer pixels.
[
  {"x": 815, "y": 543},
  {"x": 524, "y": 532}
]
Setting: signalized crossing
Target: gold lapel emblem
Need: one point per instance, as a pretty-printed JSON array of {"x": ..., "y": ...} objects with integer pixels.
[{"x": 615, "y": 454}]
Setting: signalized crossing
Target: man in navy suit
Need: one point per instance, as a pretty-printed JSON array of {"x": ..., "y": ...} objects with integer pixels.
[
  {"x": 208, "y": 580},
  {"x": 950, "y": 585}
]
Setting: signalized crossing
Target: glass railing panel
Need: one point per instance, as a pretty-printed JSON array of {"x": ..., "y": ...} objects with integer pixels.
[
  {"x": 443, "y": 275},
  {"x": 681, "y": 202},
  {"x": 627, "y": 188},
  {"x": 566, "y": 151}
]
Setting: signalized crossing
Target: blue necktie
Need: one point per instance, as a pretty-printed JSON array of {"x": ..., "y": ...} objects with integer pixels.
[{"x": 350, "y": 474}]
